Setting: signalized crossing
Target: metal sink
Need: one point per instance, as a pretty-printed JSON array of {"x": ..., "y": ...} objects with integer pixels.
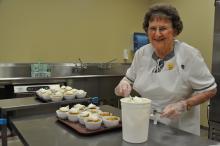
[
  {"x": 16, "y": 70},
  {"x": 101, "y": 69}
]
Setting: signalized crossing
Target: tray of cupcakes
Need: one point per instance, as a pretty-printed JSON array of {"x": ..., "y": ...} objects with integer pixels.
[
  {"x": 60, "y": 93},
  {"x": 88, "y": 120}
]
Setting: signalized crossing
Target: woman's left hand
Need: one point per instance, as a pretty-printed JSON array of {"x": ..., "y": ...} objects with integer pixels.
[{"x": 174, "y": 110}]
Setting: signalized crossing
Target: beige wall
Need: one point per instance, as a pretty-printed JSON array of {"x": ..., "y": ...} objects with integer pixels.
[
  {"x": 65, "y": 30},
  {"x": 198, "y": 21}
]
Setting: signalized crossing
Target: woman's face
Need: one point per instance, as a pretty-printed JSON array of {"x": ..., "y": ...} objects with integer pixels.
[{"x": 161, "y": 35}]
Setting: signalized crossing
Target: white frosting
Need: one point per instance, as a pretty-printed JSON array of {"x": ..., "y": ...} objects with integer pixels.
[
  {"x": 54, "y": 89},
  {"x": 93, "y": 118},
  {"x": 70, "y": 92},
  {"x": 62, "y": 90},
  {"x": 39, "y": 92},
  {"x": 68, "y": 88},
  {"x": 74, "y": 110},
  {"x": 74, "y": 90},
  {"x": 64, "y": 109},
  {"x": 135, "y": 100},
  {"x": 58, "y": 94},
  {"x": 91, "y": 105},
  {"x": 79, "y": 106},
  {"x": 47, "y": 93},
  {"x": 81, "y": 92},
  {"x": 42, "y": 90},
  {"x": 84, "y": 114},
  {"x": 63, "y": 87}
]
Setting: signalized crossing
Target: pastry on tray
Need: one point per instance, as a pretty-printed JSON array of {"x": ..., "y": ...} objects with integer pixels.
[
  {"x": 92, "y": 106},
  {"x": 68, "y": 88},
  {"x": 40, "y": 91},
  {"x": 93, "y": 122},
  {"x": 104, "y": 114},
  {"x": 82, "y": 116},
  {"x": 47, "y": 95},
  {"x": 70, "y": 94},
  {"x": 58, "y": 96},
  {"x": 81, "y": 94},
  {"x": 73, "y": 114},
  {"x": 111, "y": 121},
  {"x": 62, "y": 112},
  {"x": 80, "y": 107}
]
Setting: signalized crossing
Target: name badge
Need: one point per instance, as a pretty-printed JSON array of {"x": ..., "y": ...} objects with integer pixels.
[{"x": 169, "y": 66}]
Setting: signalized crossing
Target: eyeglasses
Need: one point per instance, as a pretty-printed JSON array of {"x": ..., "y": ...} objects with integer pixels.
[{"x": 159, "y": 29}]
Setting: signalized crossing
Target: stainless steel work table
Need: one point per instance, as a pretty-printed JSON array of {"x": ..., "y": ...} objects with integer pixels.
[
  {"x": 14, "y": 104},
  {"x": 45, "y": 130},
  {"x": 28, "y": 106}
]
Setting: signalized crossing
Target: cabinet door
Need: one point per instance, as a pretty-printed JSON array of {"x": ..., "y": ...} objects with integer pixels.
[
  {"x": 106, "y": 87},
  {"x": 102, "y": 87},
  {"x": 90, "y": 85}
]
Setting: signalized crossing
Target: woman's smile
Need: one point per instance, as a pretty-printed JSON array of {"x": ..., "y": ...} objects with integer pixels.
[{"x": 161, "y": 35}]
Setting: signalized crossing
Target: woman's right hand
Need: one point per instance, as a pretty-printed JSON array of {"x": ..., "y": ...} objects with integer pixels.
[{"x": 123, "y": 88}]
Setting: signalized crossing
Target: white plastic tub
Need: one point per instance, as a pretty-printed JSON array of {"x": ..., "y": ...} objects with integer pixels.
[{"x": 135, "y": 119}]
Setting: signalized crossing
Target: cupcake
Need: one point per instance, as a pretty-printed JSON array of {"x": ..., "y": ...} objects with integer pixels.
[
  {"x": 62, "y": 112},
  {"x": 93, "y": 122},
  {"x": 92, "y": 106},
  {"x": 68, "y": 88},
  {"x": 41, "y": 91},
  {"x": 63, "y": 87},
  {"x": 104, "y": 114},
  {"x": 55, "y": 89},
  {"x": 69, "y": 95},
  {"x": 80, "y": 107},
  {"x": 46, "y": 95},
  {"x": 58, "y": 96},
  {"x": 95, "y": 111},
  {"x": 61, "y": 90},
  {"x": 73, "y": 114},
  {"x": 82, "y": 116},
  {"x": 81, "y": 94},
  {"x": 111, "y": 121}
]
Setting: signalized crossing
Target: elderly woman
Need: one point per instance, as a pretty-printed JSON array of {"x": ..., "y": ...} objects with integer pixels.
[{"x": 171, "y": 73}]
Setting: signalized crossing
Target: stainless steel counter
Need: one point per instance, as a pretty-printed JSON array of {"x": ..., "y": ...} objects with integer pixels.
[
  {"x": 26, "y": 103},
  {"x": 45, "y": 130},
  {"x": 22, "y": 107}
]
